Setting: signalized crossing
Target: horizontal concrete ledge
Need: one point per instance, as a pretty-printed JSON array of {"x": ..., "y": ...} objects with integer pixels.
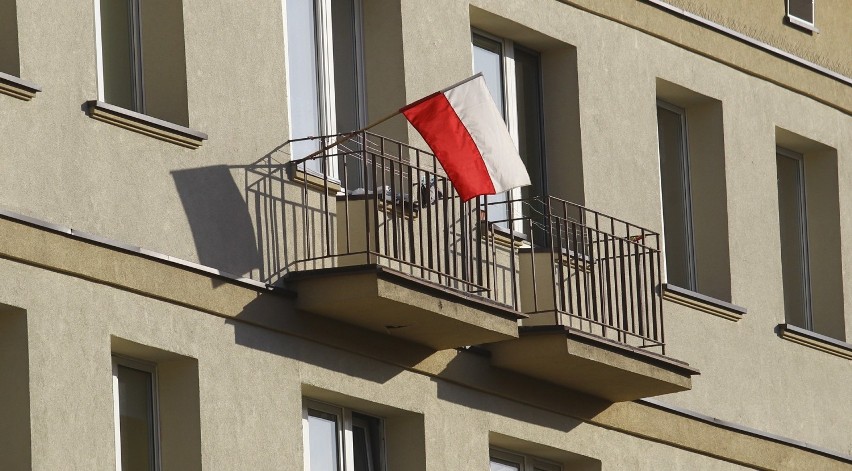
[
  {"x": 150, "y": 254},
  {"x": 814, "y": 340},
  {"x": 751, "y": 41},
  {"x": 704, "y": 303},
  {"x": 17, "y": 87},
  {"x": 734, "y": 427},
  {"x": 145, "y": 124}
]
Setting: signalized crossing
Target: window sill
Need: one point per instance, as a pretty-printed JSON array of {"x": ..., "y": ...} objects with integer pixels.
[
  {"x": 795, "y": 21},
  {"x": 814, "y": 340},
  {"x": 17, "y": 87},
  {"x": 316, "y": 181},
  {"x": 703, "y": 303},
  {"x": 145, "y": 124}
]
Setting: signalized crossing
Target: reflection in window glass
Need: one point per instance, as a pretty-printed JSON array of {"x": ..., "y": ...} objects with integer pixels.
[
  {"x": 136, "y": 419},
  {"x": 322, "y": 429}
]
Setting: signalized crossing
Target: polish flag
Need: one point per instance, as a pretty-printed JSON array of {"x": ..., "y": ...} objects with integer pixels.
[{"x": 464, "y": 129}]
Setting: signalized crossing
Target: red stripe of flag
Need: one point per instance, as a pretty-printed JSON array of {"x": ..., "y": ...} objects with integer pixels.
[{"x": 437, "y": 121}]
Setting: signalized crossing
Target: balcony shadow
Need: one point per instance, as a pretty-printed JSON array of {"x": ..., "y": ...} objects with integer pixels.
[
  {"x": 221, "y": 225},
  {"x": 321, "y": 342},
  {"x": 518, "y": 397}
]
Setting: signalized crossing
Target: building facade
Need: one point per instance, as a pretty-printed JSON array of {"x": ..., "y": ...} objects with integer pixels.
[{"x": 204, "y": 267}]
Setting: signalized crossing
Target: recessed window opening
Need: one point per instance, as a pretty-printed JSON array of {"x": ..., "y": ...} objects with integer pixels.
[
  {"x": 9, "y": 52},
  {"x": 792, "y": 215},
  {"x": 339, "y": 439},
  {"x": 137, "y": 431},
  {"x": 801, "y": 12},
  {"x": 326, "y": 80},
  {"x": 141, "y": 62},
  {"x": 513, "y": 75},
  {"x": 676, "y": 196},
  {"x": 502, "y": 460}
]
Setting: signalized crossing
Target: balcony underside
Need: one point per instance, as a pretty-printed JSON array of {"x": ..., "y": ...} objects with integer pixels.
[
  {"x": 381, "y": 299},
  {"x": 591, "y": 364}
]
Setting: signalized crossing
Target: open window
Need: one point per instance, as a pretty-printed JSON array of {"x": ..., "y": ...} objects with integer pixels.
[{"x": 501, "y": 460}]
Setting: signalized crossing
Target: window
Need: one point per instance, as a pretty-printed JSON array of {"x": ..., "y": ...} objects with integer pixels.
[
  {"x": 501, "y": 460},
  {"x": 693, "y": 190},
  {"x": 136, "y": 415},
  {"x": 325, "y": 77},
  {"x": 9, "y": 60},
  {"x": 339, "y": 439},
  {"x": 513, "y": 76},
  {"x": 677, "y": 196},
  {"x": 808, "y": 219},
  {"x": 141, "y": 59},
  {"x": 801, "y": 12}
]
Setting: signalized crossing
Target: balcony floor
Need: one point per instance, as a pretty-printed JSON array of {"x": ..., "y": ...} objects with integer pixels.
[
  {"x": 591, "y": 364},
  {"x": 384, "y": 300}
]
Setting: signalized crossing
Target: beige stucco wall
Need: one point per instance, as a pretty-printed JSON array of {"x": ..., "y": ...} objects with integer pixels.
[
  {"x": 66, "y": 168},
  {"x": 251, "y": 382},
  {"x": 765, "y": 20}
]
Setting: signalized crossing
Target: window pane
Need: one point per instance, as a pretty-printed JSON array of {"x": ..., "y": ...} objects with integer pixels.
[
  {"x": 136, "y": 419},
  {"x": 347, "y": 92},
  {"x": 367, "y": 440},
  {"x": 791, "y": 218},
  {"x": 802, "y": 9},
  {"x": 488, "y": 59},
  {"x": 502, "y": 465},
  {"x": 117, "y": 60},
  {"x": 304, "y": 97},
  {"x": 676, "y": 199},
  {"x": 322, "y": 428},
  {"x": 528, "y": 86}
]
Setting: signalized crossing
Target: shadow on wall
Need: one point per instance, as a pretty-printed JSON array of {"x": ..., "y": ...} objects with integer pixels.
[{"x": 221, "y": 225}]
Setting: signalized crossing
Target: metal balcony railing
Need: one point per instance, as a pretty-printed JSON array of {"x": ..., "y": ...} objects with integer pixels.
[
  {"x": 369, "y": 200},
  {"x": 601, "y": 274}
]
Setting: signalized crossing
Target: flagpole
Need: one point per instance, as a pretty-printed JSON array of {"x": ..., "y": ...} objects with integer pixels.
[{"x": 346, "y": 137}]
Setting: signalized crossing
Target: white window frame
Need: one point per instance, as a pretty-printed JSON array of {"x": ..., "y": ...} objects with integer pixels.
[
  {"x": 345, "y": 421},
  {"x": 803, "y": 226},
  {"x": 811, "y": 25},
  {"x": 151, "y": 368},
  {"x": 325, "y": 71},
  {"x": 686, "y": 183},
  {"x": 524, "y": 462},
  {"x": 138, "y": 83},
  {"x": 510, "y": 110}
]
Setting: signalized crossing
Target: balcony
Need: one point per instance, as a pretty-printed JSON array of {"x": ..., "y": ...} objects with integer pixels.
[
  {"x": 379, "y": 239},
  {"x": 397, "y": 252},
  {"x": 590, "y": 285}
]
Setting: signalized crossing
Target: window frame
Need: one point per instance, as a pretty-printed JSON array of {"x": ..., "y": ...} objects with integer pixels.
[
  {"x": 524, "y": 462},
  {"x": 686, "y": 184},
  {"x": 798, "y": 21},
  {"x": 510, "y": 109},
  {"x": 802, "y": 216},
  {"x": 150, "y": 368},
  {"x": 137, "y": 84},
  {"x": 325, "y": 75},
  {"x": 345, "y": 440}
]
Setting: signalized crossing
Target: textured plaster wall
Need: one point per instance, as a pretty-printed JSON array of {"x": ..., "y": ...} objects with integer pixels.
[
  {"x": 66, "y": 168},
  {"x": 250, "y": 417},
  {"x": 749, "y": 375}
]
